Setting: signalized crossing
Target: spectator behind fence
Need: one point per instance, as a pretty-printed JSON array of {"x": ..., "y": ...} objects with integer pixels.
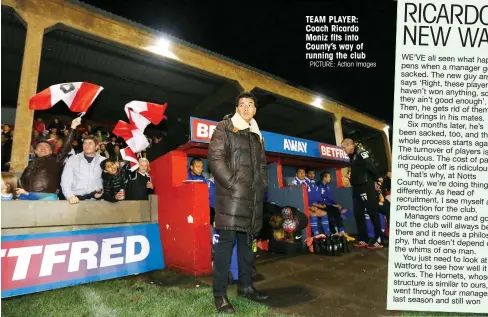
[
  {"x": 140, "y": 185},
  {"x": 114, "y": 181},
  {"x": 82, "y": 175},
  {"x": 7, "y": 131},
  {"x": 110, "y": 145},
  {"x": 116, "y": 155},
  {"x": 42, "y": 175},
  {"x": 39, "y": 125},
  {"x": 10, "y": 190},
  {"x": 56, "y": 124},
  {"x": 103, "y": 151}
]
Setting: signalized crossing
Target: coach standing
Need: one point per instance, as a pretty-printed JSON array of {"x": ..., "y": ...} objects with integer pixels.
[
  {"x": 363, "y": 178},
  {"x": 236, "y": 158}
]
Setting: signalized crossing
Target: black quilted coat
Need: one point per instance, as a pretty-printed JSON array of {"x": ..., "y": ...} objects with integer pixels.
[{"x": 237, "y": 161}]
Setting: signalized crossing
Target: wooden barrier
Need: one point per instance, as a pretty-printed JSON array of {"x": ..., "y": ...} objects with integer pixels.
[{"x": 27, "y": 217}]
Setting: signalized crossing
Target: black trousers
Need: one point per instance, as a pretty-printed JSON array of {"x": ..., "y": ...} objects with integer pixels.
[
  {"x": 335, "y": 219},
  {"x": 364, "y": 198},
  {"x": 222, "y": 258}
]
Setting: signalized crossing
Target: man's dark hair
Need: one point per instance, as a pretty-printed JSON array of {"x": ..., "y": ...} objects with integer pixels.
[
  {"x": 323, "y": 174},
  {"x": 300, "y": 168},
  {"x": 308, "y": 170},
  {"x": 247, "y": 95},
  {"x": 194, "y": 160}
]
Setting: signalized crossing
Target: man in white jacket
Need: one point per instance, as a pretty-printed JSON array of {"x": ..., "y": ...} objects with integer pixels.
[{"x": 82, "y": 174}]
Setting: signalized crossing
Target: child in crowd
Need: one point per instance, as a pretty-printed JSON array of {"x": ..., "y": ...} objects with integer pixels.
[
  {"x": 114, "y": 181},
  {"x": 10, "y": 190},
  {"x": 140, "y": 185}
]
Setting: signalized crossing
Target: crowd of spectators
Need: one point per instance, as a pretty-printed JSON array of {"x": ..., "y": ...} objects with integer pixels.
[{"x": 75, "y": 162}]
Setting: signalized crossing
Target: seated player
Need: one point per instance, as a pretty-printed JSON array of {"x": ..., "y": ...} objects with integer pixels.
[
  {"x": 315, "y": 206},
  {"x": 333, "y": 214},
  {"x": 325, "y": 189},
  {"x": 195, "y": 172}
]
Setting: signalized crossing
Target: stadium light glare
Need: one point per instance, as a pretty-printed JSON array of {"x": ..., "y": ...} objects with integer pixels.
[{"x": 163, "y": 48}]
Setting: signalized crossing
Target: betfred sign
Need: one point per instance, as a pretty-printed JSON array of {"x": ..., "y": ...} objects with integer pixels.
[
  {"x": 202, "y": 130},
  {"x": 33, "y": 263},
  {"x": 332, "y": 152}
]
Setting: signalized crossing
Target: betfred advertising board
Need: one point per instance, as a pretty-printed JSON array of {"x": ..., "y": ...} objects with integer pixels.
[
  {"x": 202, "y": 130},
  {"x": 332, "y": 152},
  {"x": 39, "y": 262}
]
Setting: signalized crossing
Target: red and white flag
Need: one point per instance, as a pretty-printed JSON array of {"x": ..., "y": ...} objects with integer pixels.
[
  {"x": 78, "y": 96},
  {"x": 131, "y": 157},
  {"x": 140, "y": 115}
]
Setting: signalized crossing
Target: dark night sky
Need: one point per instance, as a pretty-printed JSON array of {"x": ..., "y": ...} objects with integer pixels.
[{"x": 271, "y": 36}]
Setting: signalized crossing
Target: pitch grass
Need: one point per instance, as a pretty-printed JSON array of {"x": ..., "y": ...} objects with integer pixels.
[
  {"x": 126, "y": 297},
  {"x": 158, "y": 293}
]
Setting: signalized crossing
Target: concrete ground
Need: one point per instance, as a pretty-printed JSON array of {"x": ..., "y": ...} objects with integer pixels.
[{"x": 353, "y": 284}]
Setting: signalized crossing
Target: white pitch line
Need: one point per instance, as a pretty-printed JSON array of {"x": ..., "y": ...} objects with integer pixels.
[{"x": 95, "y": 303}]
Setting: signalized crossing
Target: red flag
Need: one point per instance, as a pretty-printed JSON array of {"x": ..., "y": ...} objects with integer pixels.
[
  {"x": 78, "y": 96},
  {"x": 124, "y": 129}
]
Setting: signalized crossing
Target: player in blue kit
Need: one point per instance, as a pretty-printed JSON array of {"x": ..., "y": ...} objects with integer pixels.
[
  {"x": 325, "y": 189},
  {"x": 314, "y": 202},
  {"x": 195, "y": 172}
]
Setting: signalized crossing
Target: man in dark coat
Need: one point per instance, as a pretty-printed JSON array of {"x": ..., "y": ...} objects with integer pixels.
[
  {"x": 237, "y": 160},
  {"x": 43, "y": 174},
  {"x": 363, "y": 177}
]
